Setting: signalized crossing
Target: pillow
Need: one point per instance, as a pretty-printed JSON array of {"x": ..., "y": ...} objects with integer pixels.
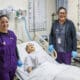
[{"x": 22, "y": 52}]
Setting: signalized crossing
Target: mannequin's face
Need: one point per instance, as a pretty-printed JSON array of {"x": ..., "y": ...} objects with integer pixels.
[
  {"x": 30, "y": 48},
  {"x": 4, "y": 23},
  {"x": 62, "y": 15}
]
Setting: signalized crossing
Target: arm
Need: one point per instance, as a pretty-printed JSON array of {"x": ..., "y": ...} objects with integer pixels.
[
  {"x": 15, "y": 43},
  {"x": 29, "y": 69},
  {"x": 73, "y": 36},
  {"x": 52, "y": 33},
  {"x": 17, "y": 55},
  {"x": 28, "y": 65},
  {"x": 51, "y": 36},
  {"x": 19, "y": 62}
]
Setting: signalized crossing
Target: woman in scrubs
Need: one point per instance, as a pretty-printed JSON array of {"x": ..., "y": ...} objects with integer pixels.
[
  {"x": 8, "y": 53},
  {"x": 62, "y": 38}
]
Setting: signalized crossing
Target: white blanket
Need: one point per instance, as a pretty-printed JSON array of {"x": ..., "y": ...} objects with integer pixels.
[
  {"x": 47, "y": 71},
  {"x": 50, "y": 71},
  {"x": 72, "y": 73}
]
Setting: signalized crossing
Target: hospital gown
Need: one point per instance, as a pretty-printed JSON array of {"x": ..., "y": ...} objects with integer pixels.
[
  {"x": 8, "y": 58},
  {"x": 35, "y": 59}
]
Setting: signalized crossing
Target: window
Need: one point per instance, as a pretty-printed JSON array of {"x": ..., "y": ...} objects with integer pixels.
[
  {"x": 37, "y": 15},
  {"x": 61, "y": 3}
]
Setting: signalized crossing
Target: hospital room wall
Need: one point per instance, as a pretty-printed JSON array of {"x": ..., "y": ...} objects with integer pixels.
[
  {"x": 73, "y": 11},
  {"x": 17, "y": 25},
  {"x": 73, "y": 14},
  {"x": 13, "y": 3},
  {"x": 50, "y": 9}
]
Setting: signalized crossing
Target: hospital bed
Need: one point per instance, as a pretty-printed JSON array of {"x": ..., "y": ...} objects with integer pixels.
[{"x": 46, "y": 71}]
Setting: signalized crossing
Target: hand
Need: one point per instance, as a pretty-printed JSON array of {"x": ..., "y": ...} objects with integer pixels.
[
  {"x": 74, "y": 54},
  {"x": 51, "y": 48},
  {"x": 29, "y": 69},
  {"x": 19, "y": 63}
]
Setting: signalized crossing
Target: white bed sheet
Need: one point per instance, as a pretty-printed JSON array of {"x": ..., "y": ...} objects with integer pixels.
[
  {"x": 46, "y": 71},
  {"x": 72, "y": 73}
]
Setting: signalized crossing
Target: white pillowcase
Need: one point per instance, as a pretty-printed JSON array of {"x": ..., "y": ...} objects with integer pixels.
[{"x": 22, "y": 52}]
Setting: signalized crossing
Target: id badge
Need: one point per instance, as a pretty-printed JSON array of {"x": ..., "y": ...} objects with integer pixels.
[{"x": 59, "y": 40}]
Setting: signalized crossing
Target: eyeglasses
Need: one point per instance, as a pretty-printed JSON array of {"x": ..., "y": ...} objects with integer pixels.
[{"x": 62, "y": 12}]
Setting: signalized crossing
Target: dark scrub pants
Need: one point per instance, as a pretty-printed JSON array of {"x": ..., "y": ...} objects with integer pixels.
[
  {"x": 64, "y": 57},
  {"x": 8, "y": 58}
]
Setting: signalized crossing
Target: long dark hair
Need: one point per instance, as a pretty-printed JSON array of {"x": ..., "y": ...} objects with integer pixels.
[{"x": 4, "y": 16}]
